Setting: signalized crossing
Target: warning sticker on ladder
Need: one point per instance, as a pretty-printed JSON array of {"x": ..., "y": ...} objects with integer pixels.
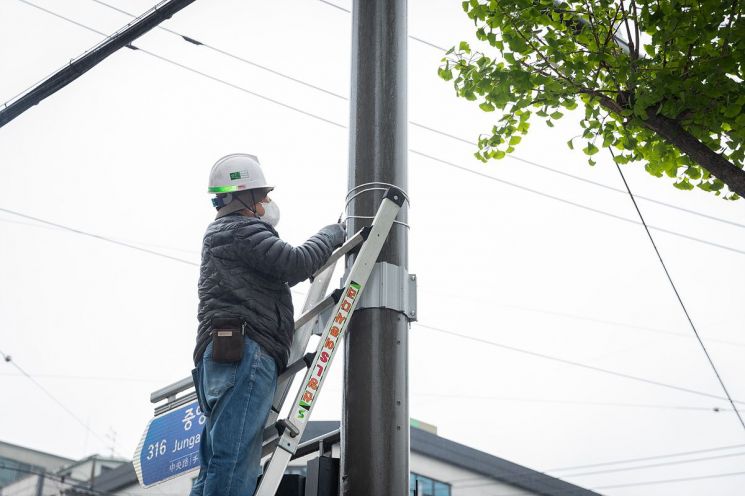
[{"x": 337, "y": 325}]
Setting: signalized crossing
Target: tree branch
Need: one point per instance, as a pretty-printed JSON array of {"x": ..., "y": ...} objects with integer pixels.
[{"x": 672, "y": 132}]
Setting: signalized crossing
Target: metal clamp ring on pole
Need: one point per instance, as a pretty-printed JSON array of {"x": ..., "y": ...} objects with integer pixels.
[
  {"x": 379, "y": 187},
  {"x": 374, "y": 183}
]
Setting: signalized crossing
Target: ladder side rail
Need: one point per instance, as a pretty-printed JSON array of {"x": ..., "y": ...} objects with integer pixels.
[
  {"x": 305, "y": 400},
  {"x": 300, "y": 342}
]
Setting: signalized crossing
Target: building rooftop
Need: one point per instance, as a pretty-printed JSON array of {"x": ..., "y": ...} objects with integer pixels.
[{"x": 422, "y": 442}]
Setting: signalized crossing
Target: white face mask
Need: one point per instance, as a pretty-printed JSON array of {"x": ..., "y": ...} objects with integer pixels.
[{"x": 271, "y": 213}]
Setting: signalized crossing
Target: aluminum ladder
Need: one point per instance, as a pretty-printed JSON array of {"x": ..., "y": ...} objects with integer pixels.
[{"x": 323, "y": 315}]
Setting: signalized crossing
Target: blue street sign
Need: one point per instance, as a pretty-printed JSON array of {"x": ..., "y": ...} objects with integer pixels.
[{"x": 170, "y": 445}]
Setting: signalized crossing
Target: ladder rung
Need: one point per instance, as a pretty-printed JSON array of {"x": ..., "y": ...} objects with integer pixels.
[
  {"x": 319, "y": 307},
  {"x": 350, "y": 245},
  {"x": 297, "y": 366}
]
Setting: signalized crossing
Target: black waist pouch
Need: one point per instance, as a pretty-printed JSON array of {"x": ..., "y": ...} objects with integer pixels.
[{"x": 227, "y": 339}]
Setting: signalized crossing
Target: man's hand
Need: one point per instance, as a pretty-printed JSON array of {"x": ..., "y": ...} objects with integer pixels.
[{"x": 336, "y": 232}]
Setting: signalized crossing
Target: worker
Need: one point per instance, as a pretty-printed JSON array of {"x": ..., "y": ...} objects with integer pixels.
[{"x": 246, "y": 321}]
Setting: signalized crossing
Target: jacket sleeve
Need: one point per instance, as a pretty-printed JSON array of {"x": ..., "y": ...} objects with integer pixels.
[{"x": 261, "y": 249}]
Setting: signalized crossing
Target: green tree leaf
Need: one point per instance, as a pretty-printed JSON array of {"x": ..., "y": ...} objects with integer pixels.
[
  {"x": 590, "y": 149},
  {"x": 550, "y": 58}
]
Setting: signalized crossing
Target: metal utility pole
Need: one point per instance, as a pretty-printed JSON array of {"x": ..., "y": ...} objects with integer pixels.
[
  {"x": 375, "y": 423},
  {"x": 76, "y": 68}
]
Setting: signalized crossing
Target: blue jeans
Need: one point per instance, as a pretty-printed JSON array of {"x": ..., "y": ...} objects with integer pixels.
[{"x": 236, "y": 398}]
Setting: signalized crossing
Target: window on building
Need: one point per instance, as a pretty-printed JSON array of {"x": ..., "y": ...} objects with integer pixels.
[
  {"x": 12, "y": 470},
  {"x": 427, "y": 486}
]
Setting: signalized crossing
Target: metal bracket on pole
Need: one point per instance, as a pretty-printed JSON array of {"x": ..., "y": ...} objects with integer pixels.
[{"x": 390, "y": 286}]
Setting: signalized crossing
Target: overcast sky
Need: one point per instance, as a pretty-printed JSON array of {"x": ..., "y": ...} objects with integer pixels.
[{"x": 124, "y": 152}]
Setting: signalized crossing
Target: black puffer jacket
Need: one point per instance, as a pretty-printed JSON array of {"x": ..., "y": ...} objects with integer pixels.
[{"x": 247, "y": 272}]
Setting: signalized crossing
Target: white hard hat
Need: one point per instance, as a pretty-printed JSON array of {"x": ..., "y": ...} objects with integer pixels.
[{"x": 237, "y": 172}]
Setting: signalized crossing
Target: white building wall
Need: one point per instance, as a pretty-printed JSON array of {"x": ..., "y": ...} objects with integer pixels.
[
  {"x": 464, "y": 482},
  {"x": 32, "y": 457}
]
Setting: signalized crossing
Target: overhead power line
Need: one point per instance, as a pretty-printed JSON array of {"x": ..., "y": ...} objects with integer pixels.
[
  {"x": 573, "y": 203},
  {"x": 193, "y": 70},
  {"x": 339, "y": 7},
  {"x": 10, "y": 360},
  {"x": 582, "y": 179},
  {"x": 54, "y": 225},
  {"x": 677, "y": 295},
  {"x": 553, "y": 471},
  {"x": 135, "y": 245},
  {"x": 654, "y": 465},
  {"x": 646, "y": 458},
  {"x": 535, "y": 164},
  {"x": 87, "y": 378},
  {"x": 479, "y": 482},
  {"x": 152, "y": 252},
  {"x": 92, "y": 57},
  {"x": 420, "y": 40},
  {"x": 606, "y": 322},
  {"x": 340, "y": 125},
  {"x": 574, "y": 363},
  {"x": 669, "y": 481},
  {"x": 188, "y": 262},
  {"x": 233, "y": 55},
  {"x": 528, "y": 475},
  {"x": 97, "y": 236},
  {"x": 613, "y": 404}
]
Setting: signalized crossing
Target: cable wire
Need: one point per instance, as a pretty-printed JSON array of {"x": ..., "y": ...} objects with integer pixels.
[
  {"x": 10, "y": 360},
  {"x": 613, "y": 404},
  {"x": 196, "y": 42},
  {"x": 582, "y": 179},
  {"x": 337, "y": 124},
  {"x": 606, "y": 322},
  {"x": 552, "y": 471},
  {"x": 222, "y": 51},
  {"x": 129, "y": 244},
  {"x": 420, "y": 40},
  {"x": 573, "y": 363},
  {"x": 654, "y": 465},
  {"x": 667, "y": 481},
  {"x": 97, "y": 236},
  {"x": 139, "y": 243},
  {"x": 573, "y": 203},
  {"x": 646, "y": 458},
  {"x": 677, "y": 294},
  {"x": 193, "y": 70}
]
